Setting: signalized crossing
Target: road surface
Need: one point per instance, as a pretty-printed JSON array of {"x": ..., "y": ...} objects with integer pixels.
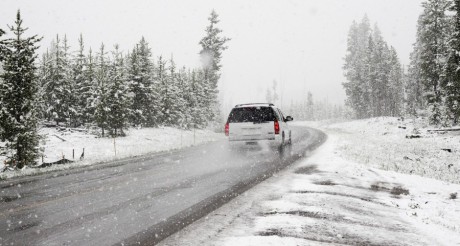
[{"x": 139, "y": 200}]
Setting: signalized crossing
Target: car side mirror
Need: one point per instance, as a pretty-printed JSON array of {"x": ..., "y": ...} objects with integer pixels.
[{"x": 289, "y": 118}]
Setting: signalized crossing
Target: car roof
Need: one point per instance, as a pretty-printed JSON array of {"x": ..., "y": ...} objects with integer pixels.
[{"x": 254, "y": 105}]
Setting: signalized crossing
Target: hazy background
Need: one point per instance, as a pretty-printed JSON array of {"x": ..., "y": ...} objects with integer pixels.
[{"x": 300, "y": 44}]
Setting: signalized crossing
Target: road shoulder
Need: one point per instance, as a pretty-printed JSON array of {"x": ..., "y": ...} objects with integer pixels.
[{"x": 326, "y": 199}]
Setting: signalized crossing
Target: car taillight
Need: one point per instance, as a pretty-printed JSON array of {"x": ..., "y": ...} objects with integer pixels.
[
  {"x": 227, "y": 129},
  {"x": 277, "y": 127}
]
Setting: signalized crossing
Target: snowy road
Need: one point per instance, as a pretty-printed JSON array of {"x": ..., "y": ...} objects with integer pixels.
[
  {"x": 328, "y": 200},
  {"x": 140, "y": 200}
]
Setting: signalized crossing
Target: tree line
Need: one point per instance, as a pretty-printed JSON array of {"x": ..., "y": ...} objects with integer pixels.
[
  {"x": 374, "y": 76},
  {"x": 108, "y": 89},
  {"x": 310, "y": 109},
  {"x": 376, "y": 85},
  {"x": 433, "y": 79}
]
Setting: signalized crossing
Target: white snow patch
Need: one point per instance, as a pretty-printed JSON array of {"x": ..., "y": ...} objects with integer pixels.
[{"x": 59, "y": 144}]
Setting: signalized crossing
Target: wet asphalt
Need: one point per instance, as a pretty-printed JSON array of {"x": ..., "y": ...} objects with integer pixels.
[{"x": 142, "y": 200}]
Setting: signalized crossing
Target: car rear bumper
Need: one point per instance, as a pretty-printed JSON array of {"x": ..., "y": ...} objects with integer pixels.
[{"x": 273, "y": 138}]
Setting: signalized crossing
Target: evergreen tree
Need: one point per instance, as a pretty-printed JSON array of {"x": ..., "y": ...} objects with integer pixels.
[
  {"x": 380, "y": 70},
  {"x": 395, "y": 96},
  {"x": 18, "y": 91},
  {"x": 413, "y": 87},
  {"x": 3, "y": 52},
  {"x": 309, "y": 106},
  {"x": 100, "y": 99},
  {"x": 118, "y": 98},
  {"x": 165, "y": 90},
  {"x": 87, "y": 90},
  {"x": 198, "y": 102},
  {"x": 373, "y": 73},
  {"x": 356, "y": 67},
  {"x": 212, "y": 46},
  {"x": 451, "y": 84},
  {"x": 81, "y": 88},
  {"x": 183, "y": 94},
  {"x": 174, "y": 108},
  {"x": 70, "y": 83},
  {"x": 145, "y": 109},
  {"x": 58, "y": 87},
  {"x": 43, "y": 75},
  {"x": 432, "y": 32}
]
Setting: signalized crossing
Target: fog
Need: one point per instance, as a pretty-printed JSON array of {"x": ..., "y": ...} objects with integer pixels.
[{"x": 300, "y": 44}]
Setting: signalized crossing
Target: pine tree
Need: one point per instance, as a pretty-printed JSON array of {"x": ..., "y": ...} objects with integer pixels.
[
  {"x": 81, "y": 88},
  {"x": 18, "y": 91},
  {"x": 368, "y": 79},
  {"x": 58, "y": 85},
  {"x": 395, "y": 96},
  {"x": 357, "y": 68},
  {"x": 166, "y": 99},
  {"x": 88, "y": 90},
  {"x": 184, "y": 94},
  {"x": 145, "y": 109},
  {"x": 198, "y": 99},
  {"x": 432, "y": 32},
  {"x": 413, "y": 86},
  {"x": 212, "y": 46},
  {"x": 70, "y": 83},
  {"x": 100, "y": 99},
  {"x": 174, "y": 111},
  {"x": 451, "y": 84},
  {"x": 379, "y": 81},
  {"x": 3, "y": 52},
  {"x": 118, "y": 98},
  {"x": 43, "y": 75},
  {"x": 373, "y": 73},
  {"x": 310, "y": 105}
]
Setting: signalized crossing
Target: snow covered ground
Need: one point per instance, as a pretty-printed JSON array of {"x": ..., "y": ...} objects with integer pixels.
[
  {"x": 339, "y": 198},
  {"x": 387, "y": 143},
  {"x": 58, "y": 144}
]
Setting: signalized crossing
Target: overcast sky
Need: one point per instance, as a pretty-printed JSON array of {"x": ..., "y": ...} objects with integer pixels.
[{"x": 299, "y": 43}]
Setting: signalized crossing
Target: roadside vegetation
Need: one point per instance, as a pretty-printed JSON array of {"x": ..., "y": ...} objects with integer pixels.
[{"x": 110, "y": 90}]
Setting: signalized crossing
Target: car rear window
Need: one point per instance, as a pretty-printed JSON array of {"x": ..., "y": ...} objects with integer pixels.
[{"x": 251, "y": 114}]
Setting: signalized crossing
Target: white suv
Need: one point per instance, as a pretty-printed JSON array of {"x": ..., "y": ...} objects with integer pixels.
[{"x": 258, "y": 121}]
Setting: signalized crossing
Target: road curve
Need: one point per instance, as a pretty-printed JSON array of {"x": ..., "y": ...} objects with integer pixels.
[{"x": 139, "y": 200}]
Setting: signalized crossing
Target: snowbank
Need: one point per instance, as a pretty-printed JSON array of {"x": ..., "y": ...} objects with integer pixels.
[
  {"x": 405, "y": 146},
  {"x": 70, "y": 144}
]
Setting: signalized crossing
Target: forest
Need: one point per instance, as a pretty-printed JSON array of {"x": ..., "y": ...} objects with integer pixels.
[
  {"x": 109, "y": 89},
  {"x": 378, "y": 85}
]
